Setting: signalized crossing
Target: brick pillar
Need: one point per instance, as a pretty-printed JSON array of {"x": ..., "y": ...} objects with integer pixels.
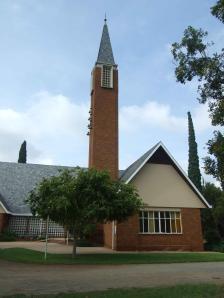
[{"x": 3, "y": 221}]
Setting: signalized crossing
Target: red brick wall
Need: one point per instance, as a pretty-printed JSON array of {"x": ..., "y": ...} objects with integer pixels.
[
  {"x": 3, "y": 221},
  {"x": 128, "y": 237},
  {"x": 103, "y": 142},
  {"x": 108, "y": 235}
]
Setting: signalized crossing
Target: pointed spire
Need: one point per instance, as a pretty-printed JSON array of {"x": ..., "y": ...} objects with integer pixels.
[{"x": 105, "y": 55}]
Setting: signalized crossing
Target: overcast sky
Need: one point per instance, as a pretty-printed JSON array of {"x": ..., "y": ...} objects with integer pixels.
[{"x": 47, "y": 51}]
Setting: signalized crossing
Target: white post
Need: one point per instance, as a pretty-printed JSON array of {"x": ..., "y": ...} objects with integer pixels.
[
  {"x": 67, "y": 237},
  {"x": 46, "y": 238}
]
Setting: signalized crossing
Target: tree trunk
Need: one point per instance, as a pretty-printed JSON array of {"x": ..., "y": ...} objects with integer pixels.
[{"x": 74, "y": 253}]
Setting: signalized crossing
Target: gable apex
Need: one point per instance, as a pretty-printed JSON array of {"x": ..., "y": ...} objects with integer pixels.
[{"x": 134, "y": 169}]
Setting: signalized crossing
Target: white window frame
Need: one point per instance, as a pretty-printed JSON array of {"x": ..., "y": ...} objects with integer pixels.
[
  {"x": 159, "y": 217},
  {"x": 110, "y": 86}
]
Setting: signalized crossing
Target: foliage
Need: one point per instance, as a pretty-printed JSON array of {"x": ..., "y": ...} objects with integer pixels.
[
  {"x": 36, "y": 257},
  {"x": 215, "y": 166},
  {"x": 78, "y": 199},
  {"x": 213, "y": 219},
  {"x": 194, "y": 61},
  {"x": 22, "y": 153},
  {"x": 218, "y": 10},
  {"x": 193, "y": 160},
  {"x": 6, "y": 235}
]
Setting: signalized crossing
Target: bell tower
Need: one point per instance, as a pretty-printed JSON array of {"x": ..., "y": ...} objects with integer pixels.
[{"x": 103, "y": 120}]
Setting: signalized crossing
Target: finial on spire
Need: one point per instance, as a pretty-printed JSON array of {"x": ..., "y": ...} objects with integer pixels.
[{"x": 105, "y": 19}]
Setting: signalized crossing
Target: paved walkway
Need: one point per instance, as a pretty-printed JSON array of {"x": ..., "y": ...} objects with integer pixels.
[
  {"x": 16, "y": 278},
  {"x": 58, "y": 248}
]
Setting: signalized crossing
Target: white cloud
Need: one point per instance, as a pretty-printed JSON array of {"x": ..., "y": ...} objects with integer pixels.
[
  {"x": 51, "y": 125},
  {"x": 153, "y": 114},
  {"x": 55, "y": 128}
]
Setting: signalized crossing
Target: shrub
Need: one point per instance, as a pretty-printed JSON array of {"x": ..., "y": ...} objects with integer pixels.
[{"x": 7, "y": 236}]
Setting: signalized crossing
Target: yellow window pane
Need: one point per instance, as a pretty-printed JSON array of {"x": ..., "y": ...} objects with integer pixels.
[
  {"x": 173, "y": 226},
  {"x": 178, "y": 226},
  {"x": 151, "y": 226}
]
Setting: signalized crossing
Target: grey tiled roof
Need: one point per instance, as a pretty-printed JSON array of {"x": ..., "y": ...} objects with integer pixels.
[
  {"x": 135, "y": 165},
  {"x": 18, "y": 179},
  {"x": 105, "y": 55}
]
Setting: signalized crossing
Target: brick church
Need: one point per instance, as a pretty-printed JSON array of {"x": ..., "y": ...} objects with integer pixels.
[{"x": 171, "y": 217}]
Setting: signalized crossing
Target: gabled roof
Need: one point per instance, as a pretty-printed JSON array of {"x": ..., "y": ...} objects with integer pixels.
[
  {"x": 134, "y": 168},
  {"x": 105, "y": 55},
  {"x": 17, "y": 180}
]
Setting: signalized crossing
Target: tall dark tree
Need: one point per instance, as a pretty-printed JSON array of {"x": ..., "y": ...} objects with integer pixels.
[
  {"x": 193, "y": 161},
  {"x": 22, "y": 153}
]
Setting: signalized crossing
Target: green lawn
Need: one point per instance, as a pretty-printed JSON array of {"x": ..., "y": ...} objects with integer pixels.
[
  {"x": 31, "y": 256},
  {"x": 182, "y": 291}
]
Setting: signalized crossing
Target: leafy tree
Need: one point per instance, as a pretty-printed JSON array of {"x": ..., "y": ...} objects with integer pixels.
[
  {"x": 77, "y": 199},
  {"x": 213, "y": 219},
  {"x": 218, "y": 10},
  {"x": 193, "y": 160},
  {"x": 22, "y": 153},
  {"x": 194, "y": 60},
  {"x": 215, "y": 166}
]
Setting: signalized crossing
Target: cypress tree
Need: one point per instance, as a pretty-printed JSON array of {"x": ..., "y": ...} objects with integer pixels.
[
  {"x": 193, "y": 160},
  {"x": 22, "y": 153}
]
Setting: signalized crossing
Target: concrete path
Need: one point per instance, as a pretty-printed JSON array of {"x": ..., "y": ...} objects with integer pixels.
[
  {"x": 18, "y": 278},
  {"x": 58, "y": 248}
]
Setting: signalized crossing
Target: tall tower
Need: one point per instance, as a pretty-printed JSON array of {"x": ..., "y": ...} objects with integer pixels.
[{"x": 103, "y": 126}]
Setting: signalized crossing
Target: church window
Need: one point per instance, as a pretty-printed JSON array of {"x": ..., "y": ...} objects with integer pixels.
[
  {"x": 107, "y": 76},
  {"x": 160, "y": 222}
]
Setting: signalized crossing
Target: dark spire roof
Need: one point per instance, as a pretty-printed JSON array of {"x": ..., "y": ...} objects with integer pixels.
[{"x": 105, "y": 55}]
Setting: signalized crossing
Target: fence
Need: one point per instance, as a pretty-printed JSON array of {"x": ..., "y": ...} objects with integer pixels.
[{"x": 31, "y": 226}]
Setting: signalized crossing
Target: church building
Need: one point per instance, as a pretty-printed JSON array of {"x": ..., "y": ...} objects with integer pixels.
[{"x": 170, "y": 219}]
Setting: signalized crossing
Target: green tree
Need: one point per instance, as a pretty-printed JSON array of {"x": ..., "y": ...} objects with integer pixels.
[
  {"x": 193, "y": 161},
  {"x": 218, "y": 10},
  {"x": 213, "y": 219},
  {"x": 215, "y": 166},
  {"x": 22, "y": 153},
  {"x": 77, "y": 199},
  {"x": 195, "y": 60}
]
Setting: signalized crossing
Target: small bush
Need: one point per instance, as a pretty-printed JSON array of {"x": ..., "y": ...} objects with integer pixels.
[
  {"x": 218, "y": 247},
  {"x": 7, "y": 236}
]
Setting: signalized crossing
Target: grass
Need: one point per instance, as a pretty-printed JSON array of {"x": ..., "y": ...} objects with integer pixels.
[
  {"x": 30, "y": 256},
  {"x": 180, "y": 291}
]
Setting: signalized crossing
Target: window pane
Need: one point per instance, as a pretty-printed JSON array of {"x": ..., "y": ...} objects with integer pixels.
[
  {"x": 162, "y": 214},
  {"x": 167, "y": 214},
  {"x": 151, "y": 226},
  {"x": 157, "y": 225},
  {"x": 172, "y": 214},
  {"x": 141, "y": 225},
  {"x": 145, "y": 214},
  {"x": 177, "y": 214},
  {"x": 140, "y": 214},
  {"x": 146, "y": 226},
  {"x": 156, "y": 214},
  {"x": 150, "y": 214},
  {"x": 168, "y": 230},
  {"x": 173, "y": 226},
  {"x": 162, "y": 222},
  {"x": 178, "y": 226}
]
